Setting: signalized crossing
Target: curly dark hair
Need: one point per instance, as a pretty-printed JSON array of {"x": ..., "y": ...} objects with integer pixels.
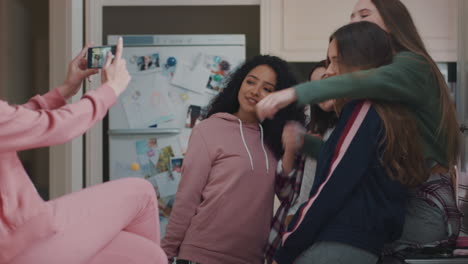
[
  {"x": 227, "y": 100},
  {"x": 320, "y": 121}
]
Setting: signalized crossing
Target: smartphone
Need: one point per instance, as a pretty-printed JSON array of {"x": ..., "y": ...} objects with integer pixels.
[{"x": 97, "y": 56}]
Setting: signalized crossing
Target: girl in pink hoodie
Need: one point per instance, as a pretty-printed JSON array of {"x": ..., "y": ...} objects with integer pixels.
[
  {"x": 114, "y": 222},
  {"x": 224, "y": 204}
]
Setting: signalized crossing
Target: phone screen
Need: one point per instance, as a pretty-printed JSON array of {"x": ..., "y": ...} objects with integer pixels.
[{"x": 97, "y": 56}]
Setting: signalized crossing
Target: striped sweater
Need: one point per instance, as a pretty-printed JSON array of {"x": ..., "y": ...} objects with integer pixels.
[{"x": 352, "y": 201}]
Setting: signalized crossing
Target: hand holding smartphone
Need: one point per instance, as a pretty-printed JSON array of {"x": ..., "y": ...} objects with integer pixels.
[
  {"x": 115, "y": 73},
  {"x": 97, "y": 56}
]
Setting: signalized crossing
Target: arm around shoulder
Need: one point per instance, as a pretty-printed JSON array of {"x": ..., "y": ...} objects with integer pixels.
[{"x": 405, "y": 80}]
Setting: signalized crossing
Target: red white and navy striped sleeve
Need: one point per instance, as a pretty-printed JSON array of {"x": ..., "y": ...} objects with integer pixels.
[{"x": 350, "y": 159}]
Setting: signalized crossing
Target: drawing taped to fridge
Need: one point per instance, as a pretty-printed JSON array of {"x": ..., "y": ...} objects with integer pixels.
[{"x": 174, "y": 77}]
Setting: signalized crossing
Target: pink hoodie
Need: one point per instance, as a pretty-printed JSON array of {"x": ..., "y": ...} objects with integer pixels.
[
  {"x": 24, "y": 216},
  {"x": 224, "y": 204}
]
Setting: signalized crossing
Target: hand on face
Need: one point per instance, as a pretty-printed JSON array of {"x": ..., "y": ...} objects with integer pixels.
[
  {"x": 77, "y": 72},
  {"x": 115, "y": 73}
]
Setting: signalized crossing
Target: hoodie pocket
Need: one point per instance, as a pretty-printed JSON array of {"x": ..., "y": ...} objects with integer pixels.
[{"x": 205, "y": 218}]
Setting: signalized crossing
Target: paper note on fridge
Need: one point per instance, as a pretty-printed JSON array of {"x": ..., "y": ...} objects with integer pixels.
[
  {"x": 147, "y": 103},
  {"x": 191, "y": 77},
  {"x": 166, "y": 182}
]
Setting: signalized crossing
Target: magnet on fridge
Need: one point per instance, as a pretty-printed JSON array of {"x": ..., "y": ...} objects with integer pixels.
[
  {"x": 171, "y": 61},
  {"x": 135, "y": 166},
  {"x": 217, "y": 78}
]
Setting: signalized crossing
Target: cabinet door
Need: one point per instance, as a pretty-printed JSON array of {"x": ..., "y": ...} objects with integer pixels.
[
  {"x": 299, "y": 29},
  {"x": 436, "y": 21}
]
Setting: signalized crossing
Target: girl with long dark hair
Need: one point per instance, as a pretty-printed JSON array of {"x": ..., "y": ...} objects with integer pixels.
[
  {"x": 357, "y": 202},
  {"x": 320, "y": 124},
  {"x": 413, "y": 80},
  {"x": 224, "y": 204}
]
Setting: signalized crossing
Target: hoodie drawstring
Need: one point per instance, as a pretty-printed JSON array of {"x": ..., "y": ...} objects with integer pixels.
[
  {"x": 264, "y": 151},
  {"x": 245, "y": 144},
  {"x": 247, "y": 148}
]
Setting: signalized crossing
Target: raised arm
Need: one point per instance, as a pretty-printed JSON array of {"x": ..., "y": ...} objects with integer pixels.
[
  {"x": 77, "y": 72},
  {"x": 49, "y": 101},
  {"x": 22, "y": 128},
  {"x": 406, "y": 80},
  {"x": 40, "y": 123},
  {"x": 286, "y": 173}
]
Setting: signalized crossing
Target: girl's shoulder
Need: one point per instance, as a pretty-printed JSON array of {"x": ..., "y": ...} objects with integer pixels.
[
  {"x": 409, "y": 57},
  {"x": 354, "y": 106},
  {"x": 359, "y": 109},
  {"x": 216, "y": 125},
  {"x": 408, "y": 53}
]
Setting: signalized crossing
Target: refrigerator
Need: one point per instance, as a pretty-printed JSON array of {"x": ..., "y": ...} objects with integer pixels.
[{"x": 174, "y": 77}]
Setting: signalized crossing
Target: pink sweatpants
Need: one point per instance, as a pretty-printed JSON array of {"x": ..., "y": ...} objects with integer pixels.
[{"x": 113, "y": 223}]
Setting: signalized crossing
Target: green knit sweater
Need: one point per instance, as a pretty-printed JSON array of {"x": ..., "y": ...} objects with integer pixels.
[{"x": 407, "y": 80}]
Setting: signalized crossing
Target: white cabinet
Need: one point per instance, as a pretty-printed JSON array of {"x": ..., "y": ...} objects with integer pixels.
[
  {"x": 298, "y": 30},
  {"x": 436, "y": 21}
]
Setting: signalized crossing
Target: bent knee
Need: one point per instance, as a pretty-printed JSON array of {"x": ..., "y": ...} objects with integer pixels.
[{"x": 139, "y": 186}]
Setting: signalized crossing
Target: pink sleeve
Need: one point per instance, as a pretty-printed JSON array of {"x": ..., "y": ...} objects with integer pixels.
[
  {"x": 22, "y": 128},
  {"x": 48, "y": 101},
  {"x": 195, "y": 171}
]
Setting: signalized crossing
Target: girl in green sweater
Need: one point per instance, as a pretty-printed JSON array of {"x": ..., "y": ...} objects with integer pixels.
[{"x": 414, "y": 80}]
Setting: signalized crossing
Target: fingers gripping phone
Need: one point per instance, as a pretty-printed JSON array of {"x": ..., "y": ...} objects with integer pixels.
[{"x": 97, "y": 56}]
